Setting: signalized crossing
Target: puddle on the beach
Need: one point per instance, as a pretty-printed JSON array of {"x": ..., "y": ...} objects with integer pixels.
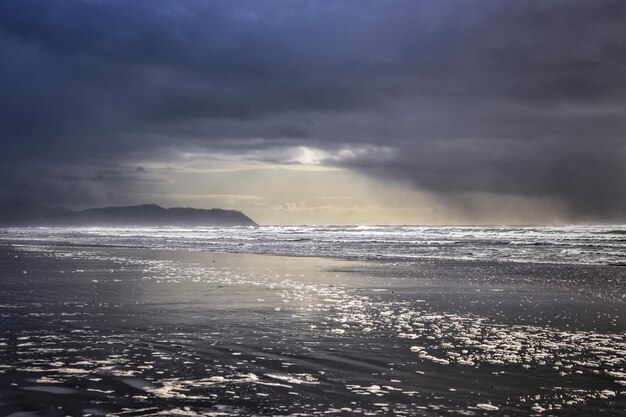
[{"x": 173, "y": 337}]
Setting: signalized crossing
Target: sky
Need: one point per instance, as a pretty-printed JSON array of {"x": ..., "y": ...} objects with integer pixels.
[{"x": 319, "y": 112}]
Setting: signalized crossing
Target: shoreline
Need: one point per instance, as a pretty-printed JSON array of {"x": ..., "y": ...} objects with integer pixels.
[
  {"x": 176, "y": 329},
  {"x": 377, "y": 258},
  {"x": 581, "y": 245}
]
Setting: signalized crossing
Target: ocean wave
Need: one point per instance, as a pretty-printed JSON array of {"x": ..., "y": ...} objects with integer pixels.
[{"x": 568, "y": 244}]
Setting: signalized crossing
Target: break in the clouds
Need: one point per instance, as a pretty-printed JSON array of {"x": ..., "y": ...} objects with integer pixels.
[{"x": 518, "y": 101}]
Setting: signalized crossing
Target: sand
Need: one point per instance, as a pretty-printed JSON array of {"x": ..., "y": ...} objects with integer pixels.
[{"x": 146, "y": 332}]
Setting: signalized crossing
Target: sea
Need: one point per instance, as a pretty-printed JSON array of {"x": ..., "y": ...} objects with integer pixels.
[{"x": 313, "y": 320}]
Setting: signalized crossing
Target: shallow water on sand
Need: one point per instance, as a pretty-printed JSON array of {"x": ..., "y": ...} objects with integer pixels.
[{"x": 146, "y": 332}]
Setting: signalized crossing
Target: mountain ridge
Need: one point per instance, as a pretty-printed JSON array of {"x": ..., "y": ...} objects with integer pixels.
[{"x": 139, "y": 215}]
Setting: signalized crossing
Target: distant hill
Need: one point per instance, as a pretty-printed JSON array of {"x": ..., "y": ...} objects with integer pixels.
[{"x": 143, "y": 215}]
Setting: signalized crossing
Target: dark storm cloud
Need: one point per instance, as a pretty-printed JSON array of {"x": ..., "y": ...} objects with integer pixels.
[{"x": 515, "y": 98}]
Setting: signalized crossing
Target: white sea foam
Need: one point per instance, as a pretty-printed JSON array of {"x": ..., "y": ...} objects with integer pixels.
[{"x": 563, "y": 244}]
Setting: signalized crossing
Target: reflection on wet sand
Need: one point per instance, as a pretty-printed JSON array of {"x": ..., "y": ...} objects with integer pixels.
[{"x": 139, "y": 332}]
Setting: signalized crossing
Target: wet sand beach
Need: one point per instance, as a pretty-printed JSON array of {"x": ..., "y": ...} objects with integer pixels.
[{"x": 123, "y": 331}]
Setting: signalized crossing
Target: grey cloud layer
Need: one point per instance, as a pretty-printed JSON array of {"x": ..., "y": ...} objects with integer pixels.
[{"x": 521, "y": 98}]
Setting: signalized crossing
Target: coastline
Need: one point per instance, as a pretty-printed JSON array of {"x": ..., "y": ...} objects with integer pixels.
[
  {"x": 308, "y": 328},
  {"x": 579, "y": 245}
]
